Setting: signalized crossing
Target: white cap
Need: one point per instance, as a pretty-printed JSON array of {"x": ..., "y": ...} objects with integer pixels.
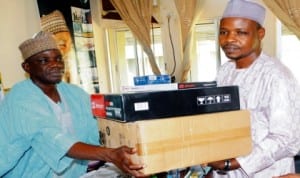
[{"x": 245, "y": 9}]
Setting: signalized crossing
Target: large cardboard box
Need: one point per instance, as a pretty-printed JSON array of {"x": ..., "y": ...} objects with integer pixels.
[
  {"x": 129, "y": 107},
  {"x": 179, "y": 142}
]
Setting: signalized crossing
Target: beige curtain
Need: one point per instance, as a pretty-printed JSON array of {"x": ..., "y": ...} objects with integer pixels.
[
  {"x": 137, "y": 15},
  {"x": 188, "y": 11},
  {"x": 288, "y": 11}
]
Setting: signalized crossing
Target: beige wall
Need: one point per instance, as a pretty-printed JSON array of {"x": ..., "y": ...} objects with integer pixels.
[{"x": 20, "y": 20}]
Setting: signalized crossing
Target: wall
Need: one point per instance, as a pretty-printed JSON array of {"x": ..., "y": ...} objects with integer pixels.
[{"x": 20, "y": 20}]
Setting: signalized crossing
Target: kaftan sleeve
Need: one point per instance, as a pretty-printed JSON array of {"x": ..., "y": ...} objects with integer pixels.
[
  {"x": 92, "y": 132},
  {"x": 277, "y": 118},
  {"x": 10, "y": 152}
]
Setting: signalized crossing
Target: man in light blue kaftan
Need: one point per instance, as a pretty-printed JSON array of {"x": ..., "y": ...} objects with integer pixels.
[
  {"x": 267, "y": 89},
  {"x": 46, "y": 126},
  {"x": 33, "y": 130}
]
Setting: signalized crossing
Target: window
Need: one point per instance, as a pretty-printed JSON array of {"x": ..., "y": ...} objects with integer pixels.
[
  {"x": 289, "y": 51},
  {"x": 129, "y": 60},
  {"x": 208, "y": 54}
]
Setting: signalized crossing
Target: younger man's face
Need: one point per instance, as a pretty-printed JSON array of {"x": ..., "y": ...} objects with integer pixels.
[{"x": 239, "y": 37}]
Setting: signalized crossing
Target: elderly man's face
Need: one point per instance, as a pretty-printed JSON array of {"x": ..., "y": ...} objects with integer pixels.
[
  {"x": 240, "y": 38},
  {"x": 46, "y": 67}
]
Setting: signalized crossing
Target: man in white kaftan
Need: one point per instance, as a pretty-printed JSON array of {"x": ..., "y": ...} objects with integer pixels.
[
  {"x": 267, "y": 89},
  {"x": 271, "y": 93}
]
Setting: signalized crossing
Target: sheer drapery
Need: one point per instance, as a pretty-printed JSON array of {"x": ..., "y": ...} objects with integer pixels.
[
  {"x": 137, "y": 15},
  {"x": 288, "y": 11},
  {"x": 188, "y": 11},
  {"x": 178, "y": 18}
]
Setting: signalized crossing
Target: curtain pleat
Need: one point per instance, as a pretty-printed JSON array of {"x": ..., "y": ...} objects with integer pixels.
[
  {"x": 137, "y": 15},
  {"x": 288, "y": 11},
  {"x": 188, "y": 11}
]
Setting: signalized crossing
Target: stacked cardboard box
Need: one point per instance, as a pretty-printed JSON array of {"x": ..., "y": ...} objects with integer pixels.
[
  {"x": 127, "y": 107},
  {"x": 178, "y": 142},
  {"x": 167, "y": 86},
  {"x": 176, "y": 128},
  {"x": 151, "y": 79}
]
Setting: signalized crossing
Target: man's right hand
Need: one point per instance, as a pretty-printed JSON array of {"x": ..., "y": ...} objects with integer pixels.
[{"x": 122, "y": 158}]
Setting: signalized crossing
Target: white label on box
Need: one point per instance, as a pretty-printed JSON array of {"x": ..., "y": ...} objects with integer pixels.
[{"x": 141, "y": 106}]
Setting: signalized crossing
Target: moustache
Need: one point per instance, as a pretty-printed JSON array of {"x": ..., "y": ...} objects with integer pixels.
[{"x": 230, "y": 46}]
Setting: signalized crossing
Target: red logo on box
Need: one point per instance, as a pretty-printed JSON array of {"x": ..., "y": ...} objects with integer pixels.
[{"x": 98, "y": 105}]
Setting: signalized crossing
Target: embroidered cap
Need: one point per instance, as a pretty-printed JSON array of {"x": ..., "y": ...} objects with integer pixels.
[
  {"x": 54, "y": 22},
  {"x": 245, "y": 9},
  {"x": 41, "y": 41}
]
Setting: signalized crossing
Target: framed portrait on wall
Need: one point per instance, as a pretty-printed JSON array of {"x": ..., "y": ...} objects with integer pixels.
[{"x": 72, "y": 19}]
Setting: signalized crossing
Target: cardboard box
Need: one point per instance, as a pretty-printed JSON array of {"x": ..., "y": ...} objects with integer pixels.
[
  {"x": 167, "y": 86},
  {"x": 151, "y": 79},
  {"x": 129, "y": 107},
  {"x": 99, "y": 105},
  {"x": 179, "y": 142},
  {"x": 186, "y": 85}
]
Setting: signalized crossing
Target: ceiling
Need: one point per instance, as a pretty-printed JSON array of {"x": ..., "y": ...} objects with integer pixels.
[{"x": 109, "y": 12}]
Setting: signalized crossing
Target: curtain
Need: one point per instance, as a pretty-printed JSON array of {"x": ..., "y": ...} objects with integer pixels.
[
  {"x": 288, "y": 11},
  {"x": 137, "y": 15},
  {"x": 188, "y": 11}
]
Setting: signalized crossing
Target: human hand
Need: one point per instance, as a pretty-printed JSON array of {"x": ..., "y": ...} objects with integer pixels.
[
  {"x": 121, "y": 157},
  {"x": 288, "y": 176}
]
